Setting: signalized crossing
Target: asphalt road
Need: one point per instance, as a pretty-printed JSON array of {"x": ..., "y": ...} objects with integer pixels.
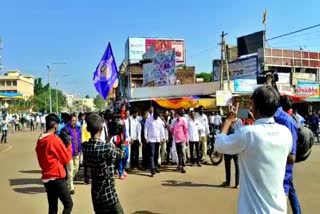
[{"x": 197, "y": 191}]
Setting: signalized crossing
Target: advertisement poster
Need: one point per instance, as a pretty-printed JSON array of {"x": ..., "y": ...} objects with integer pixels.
[
  {"x": 223, "y": 98},
  {"x": 164, "y": 68},
  {"x": 307, "y": 89},
  {"x": 136, "y": 48},
  {"x": 161, "y": 45},
  {"x": 244, "y": 68}
]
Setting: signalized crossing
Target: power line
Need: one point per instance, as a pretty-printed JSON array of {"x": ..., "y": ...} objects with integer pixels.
[{"x": 297, "y": 31}]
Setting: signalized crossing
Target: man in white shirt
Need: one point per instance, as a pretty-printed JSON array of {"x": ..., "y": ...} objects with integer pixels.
[
  {"x": 43, "y": 122},
  {"x": 263, "y": 149},
  {"x": 217, "y": 121},
  {"x": 154, "y": 133},
  {"x": 194, "y": 128},
  {"x": 135, "y": 136},
  {"x": 203, "y": 119}
]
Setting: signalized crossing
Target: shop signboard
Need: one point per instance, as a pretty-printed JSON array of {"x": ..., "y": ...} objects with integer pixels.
[
  {"x": 244, "y": 68},
  {"x": 223, "y": 98},
  {"x": 245, "y": 85},
  {"x": 307, "y": 77},
  {"x": 307, "y": 89}
]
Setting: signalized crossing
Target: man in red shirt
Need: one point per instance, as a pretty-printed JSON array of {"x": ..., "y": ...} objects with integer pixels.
[{"x": 52, "y": 155}]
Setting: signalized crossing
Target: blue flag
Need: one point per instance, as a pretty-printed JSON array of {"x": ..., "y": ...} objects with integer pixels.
[{"x": 106, "y": 73}]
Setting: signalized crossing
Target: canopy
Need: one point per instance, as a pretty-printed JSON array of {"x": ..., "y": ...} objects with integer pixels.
[{"x": 186, "y": 102}]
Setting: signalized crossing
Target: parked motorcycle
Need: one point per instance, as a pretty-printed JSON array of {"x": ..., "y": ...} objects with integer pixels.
[{"x": 215, "y": 157}]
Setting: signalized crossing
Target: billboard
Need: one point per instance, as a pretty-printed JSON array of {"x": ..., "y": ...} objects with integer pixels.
[
  {"x": 250, "y": 43},
  {"x": 162, "y": 71},
  {"x": 136, "y": 47},
  {"x": 244, "y": 68}
]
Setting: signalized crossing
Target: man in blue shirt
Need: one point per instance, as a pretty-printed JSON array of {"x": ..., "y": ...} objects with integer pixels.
[{"x": 285, "y": 119}]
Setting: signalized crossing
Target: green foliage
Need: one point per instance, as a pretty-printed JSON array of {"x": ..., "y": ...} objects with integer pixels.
[
  {"x": 99, "y": 102},
  {"x": 207, "y": 77},
  {"x": 87, "y": 96},
  {"x": 41, "y": 99}
]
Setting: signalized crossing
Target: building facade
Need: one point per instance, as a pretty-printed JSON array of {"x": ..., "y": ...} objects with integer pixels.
[{"x": 14, "y": 82}]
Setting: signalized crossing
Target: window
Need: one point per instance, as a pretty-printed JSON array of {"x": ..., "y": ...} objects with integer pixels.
[
  {"x": 9, "y": 83},
  {"x": 2, "y": 83},
  {"x": 14, "y": 82}
]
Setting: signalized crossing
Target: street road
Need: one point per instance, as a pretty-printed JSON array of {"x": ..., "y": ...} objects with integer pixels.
[{"x": 195, "y": 192}]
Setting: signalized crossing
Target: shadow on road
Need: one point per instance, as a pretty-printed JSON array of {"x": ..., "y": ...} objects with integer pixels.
[
  {"x": 35, "y": 171},
  {"x": 24, "y": 181},
  {"x": 173, "y": 183},
  {"x": 30, "y": 190},
  {"x": 144, "y": 212}
]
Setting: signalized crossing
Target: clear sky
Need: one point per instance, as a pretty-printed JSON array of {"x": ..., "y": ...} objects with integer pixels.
[{"x": 36, "y": 33}]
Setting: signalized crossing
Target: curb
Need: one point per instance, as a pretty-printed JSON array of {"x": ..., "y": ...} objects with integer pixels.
[{"x": 6, "y": 149}]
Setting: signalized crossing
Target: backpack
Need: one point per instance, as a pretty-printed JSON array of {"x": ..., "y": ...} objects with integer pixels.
[{"x": 304, "y": 143}]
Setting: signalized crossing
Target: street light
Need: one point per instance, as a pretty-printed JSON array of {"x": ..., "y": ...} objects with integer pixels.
[{"x": 50, "y": 98}]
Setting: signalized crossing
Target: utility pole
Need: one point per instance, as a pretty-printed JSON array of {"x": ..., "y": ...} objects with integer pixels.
[
  {"x": 50, "y": 98},
  {"x": 223, "y": 34},
  {"x": 227, "y": 66}
]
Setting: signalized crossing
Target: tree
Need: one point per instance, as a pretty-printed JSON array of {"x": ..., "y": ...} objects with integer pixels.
[
  {"x": 40, "y": 100},
  {"x": 99, "y": 102},
  {"x": 207, "y": 77},
  {"x": 87, "y": 96}
]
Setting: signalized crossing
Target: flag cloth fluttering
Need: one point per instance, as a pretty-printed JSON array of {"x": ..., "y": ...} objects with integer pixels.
[
  {"x": 264, "y": 20},
  {"x": 106, "y": 73}
]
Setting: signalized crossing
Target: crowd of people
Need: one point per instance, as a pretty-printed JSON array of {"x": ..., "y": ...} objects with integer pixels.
[{"x": 109, "y": 145}]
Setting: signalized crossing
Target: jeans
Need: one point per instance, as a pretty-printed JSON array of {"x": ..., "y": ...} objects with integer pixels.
[
  {"x": 193, "y": 144},
  {"x": 123, "y": 162},
  {"x": 4, "y": 136},
  {"x": 113, "y": 209},
  {"x": 134, "y": 156},
  {"x": 154, "y": 154},
  {"x": 57, "y": 189},
  {"x": 293, "y": 198},
  {"x": 227, "y": 164},
  {"x": 180, "y": 151}
]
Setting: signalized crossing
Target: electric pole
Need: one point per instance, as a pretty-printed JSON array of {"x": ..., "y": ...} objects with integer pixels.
[
  {"x": 57, "y": 99},
  {"x": 222, "y": 59}
]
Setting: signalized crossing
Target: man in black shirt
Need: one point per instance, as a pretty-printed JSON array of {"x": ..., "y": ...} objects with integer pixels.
[{"x": 100, "y": 157}]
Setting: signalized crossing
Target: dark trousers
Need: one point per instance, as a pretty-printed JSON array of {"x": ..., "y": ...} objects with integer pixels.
[
  {"x": 145, "y": 155},
  {"x": 57, "y": 189},
  {"x": 169, "y": 146},
  {"x": 293, "y": 198},
  {"x": 195, "y": 144},
  {"x": 227, "y": 164},
  {"x": 180, "y": 152},
  {"x": 4, "y": 136},
  {"x": 42, "y": 126},
  {"x": 154, "y": 154},
  {"x": 113, "y": 209},
  {"x": 31, "y": 126},
  {"x": 134, "y": 156}
]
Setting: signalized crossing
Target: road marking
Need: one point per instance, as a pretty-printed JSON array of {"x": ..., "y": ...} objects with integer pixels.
[{"x": 7, "y": 149}]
